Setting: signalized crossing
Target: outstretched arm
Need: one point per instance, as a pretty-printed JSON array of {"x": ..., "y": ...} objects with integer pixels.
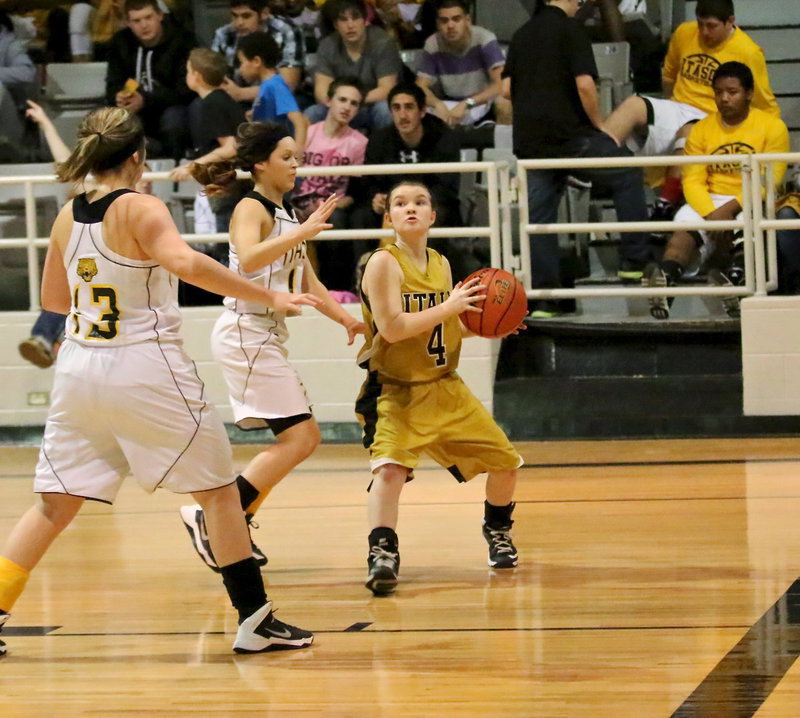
[
  {"x": 155, "y": 232},
  {"x": 247, "y": 230}
]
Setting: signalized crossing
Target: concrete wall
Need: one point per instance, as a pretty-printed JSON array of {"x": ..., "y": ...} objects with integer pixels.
[
  {"x": 317, "y": 348},
  {"x": 771, "y": 355}
]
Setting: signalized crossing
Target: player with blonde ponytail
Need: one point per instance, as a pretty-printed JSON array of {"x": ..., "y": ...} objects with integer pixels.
[{"x": 126, "y": 397}]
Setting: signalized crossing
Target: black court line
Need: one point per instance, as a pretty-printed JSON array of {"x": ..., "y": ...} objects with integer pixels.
[
  {"x": 548, "y": 465},
  {"x": 559, "y": 465},
  {"x": 676, "y": 462},
  {"x": 522, "y": 502},
  {"x": 356, "y": 627},
  {"x": 744, "y": 679},
  {"x": 360, "y": 628}
]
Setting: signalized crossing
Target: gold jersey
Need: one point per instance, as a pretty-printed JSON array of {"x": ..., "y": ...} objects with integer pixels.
[
  {"x": 759, "y": 133},
  {"x": 690, "y": 66},
  {"x": 425, "y": 357}
]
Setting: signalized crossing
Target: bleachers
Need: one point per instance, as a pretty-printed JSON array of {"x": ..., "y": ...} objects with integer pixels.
[{"x": 70, "y": 91}]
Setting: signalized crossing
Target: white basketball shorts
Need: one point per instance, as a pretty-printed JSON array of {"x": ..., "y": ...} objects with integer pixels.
[
  {"x": 261, "y": 382},
  {"x": 137, "y": 409},
  {"x": 667, "y": 118}
]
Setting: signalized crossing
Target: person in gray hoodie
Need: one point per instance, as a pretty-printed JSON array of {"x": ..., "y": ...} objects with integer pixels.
[{"x": 17, "y": 75}]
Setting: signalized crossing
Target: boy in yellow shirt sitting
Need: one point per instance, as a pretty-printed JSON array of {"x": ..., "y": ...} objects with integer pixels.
[
  {"x": 714, "y": 192},
  {"x": 653, "y": 126}
]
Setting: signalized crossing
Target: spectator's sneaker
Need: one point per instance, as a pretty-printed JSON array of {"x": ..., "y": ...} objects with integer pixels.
[
  {"x": 502, "y": 552},
  {"x": 654, "y": 277},
  {"x": 630, "y": 271},
  {"x": 37, "y": 350},
  {"x": 663, "y": 211},
  {"x": 383, "y": 563},
  {"x": 545, "y": 309},
  {"x": 729, "y": 304},
  {"x": 3, "y": 619},
  {"x": 195, "y": 522},
  {"x": 262, "y": 632}
]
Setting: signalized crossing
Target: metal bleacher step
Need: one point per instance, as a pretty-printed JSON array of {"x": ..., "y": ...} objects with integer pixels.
[{"x": 636, "y": 309}]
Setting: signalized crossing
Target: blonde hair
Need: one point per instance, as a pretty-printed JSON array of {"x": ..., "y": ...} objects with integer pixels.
[
  {"x": 106, "y": 138},
  {"x": 211, "y": 65}
]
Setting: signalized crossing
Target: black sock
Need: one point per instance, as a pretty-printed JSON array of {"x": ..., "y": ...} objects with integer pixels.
[
  {"x": 672, "y": 269},
  {"x": 383, "y": 536},
  {"x": 498, "y": 514},
  {"x": 247, "y": 492},
  {"x": 245, "y": 586}
]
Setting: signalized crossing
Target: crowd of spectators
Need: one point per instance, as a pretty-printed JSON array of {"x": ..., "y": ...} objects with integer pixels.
[{"x": 333, "y": 71}]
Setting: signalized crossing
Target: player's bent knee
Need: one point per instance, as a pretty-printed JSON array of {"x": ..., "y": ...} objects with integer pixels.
[{"x": 391, "y": 474}]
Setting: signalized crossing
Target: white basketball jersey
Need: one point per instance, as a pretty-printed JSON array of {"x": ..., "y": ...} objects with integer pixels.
[
  {"x": 116, "y": 300},
  {"x": 283, "y": 275}
]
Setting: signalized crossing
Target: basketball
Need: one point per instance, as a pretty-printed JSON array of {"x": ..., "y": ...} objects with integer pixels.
[{"x": 504, "y": 308}]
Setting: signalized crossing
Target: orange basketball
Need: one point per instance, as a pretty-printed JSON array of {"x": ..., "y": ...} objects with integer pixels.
[{"x": 504, "y": 308}]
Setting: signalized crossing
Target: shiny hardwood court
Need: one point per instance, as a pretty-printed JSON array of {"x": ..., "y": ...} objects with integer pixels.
[{"x": 654, "y": 580}]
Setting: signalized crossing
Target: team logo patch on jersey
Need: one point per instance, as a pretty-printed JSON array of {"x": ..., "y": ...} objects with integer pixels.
[
  {"x": 87, "y": 268},
  {"x": 699, "y": 68},
  {"x": 732, "y": 148}
]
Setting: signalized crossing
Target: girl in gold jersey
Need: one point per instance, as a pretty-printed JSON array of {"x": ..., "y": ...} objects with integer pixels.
[{"x": 413, "y": 401}]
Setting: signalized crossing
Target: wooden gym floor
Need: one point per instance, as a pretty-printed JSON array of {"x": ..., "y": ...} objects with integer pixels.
[{"x": 655, "y": 580}]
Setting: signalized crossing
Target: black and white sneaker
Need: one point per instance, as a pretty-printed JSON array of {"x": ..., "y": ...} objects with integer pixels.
[
  {"x": 258, "y": 554},
  {"x": 502, "y": 552},
  {"x": 383, "y": 563},
  {"x": 195, "y": 522},
  {"x": 729, "y": 304},
  {"x": 3, "y": 618},
  {"x": 655, "y": 277},
  {"x": 262, "y": 632}
]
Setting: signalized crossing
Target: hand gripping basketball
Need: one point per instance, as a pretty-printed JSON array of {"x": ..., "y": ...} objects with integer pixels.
[{"x": 504, "y": 307}]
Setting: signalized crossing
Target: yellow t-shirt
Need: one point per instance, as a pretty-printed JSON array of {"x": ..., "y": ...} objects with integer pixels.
[
  {"x": 690, "y": 66},
  {"x": 759, "y": 133},
  {"x": 425, "y": 357}
]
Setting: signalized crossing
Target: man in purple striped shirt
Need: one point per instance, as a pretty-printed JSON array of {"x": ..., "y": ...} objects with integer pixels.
[{"x": 460, "y": 69}]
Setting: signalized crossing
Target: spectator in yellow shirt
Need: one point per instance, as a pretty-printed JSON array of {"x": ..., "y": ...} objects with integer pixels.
[
  {"x": 654, "y": 126},
  {"x": 714, "y": 192}
]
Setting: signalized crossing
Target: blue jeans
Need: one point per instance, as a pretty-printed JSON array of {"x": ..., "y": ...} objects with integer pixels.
[
  {"x": 788, "y": 254},
  {"x": 49, "y": 325},
  {"x": 369, "y": 117},
  {"x": 545, "y": 188}
]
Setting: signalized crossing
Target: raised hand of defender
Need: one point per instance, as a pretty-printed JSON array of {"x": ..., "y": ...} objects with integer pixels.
[
  {"x": 292, "y": 304},
  {"x": 353, "y": 330},
  {"x": 465, "y": 294},
  {"x": 318, "y": 220}
]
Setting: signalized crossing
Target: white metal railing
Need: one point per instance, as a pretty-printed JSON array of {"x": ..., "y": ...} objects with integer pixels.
[
  {"x": 492, "y": 231},
  {"x": 753, "y": 250},
  {"x": 767, "y": 226},
  {"x": 758, "y": 227}
]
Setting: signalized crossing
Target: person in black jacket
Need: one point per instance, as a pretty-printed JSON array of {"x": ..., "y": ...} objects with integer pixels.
[
  {"x": 147, "y": 75},
  {"x": 416, "y": 137}
]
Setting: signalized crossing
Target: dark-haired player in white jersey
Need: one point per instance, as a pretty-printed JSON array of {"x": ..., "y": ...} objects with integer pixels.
[
  {"x": 268, "y": 245},
  {"x": 126, "y": 397}
]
